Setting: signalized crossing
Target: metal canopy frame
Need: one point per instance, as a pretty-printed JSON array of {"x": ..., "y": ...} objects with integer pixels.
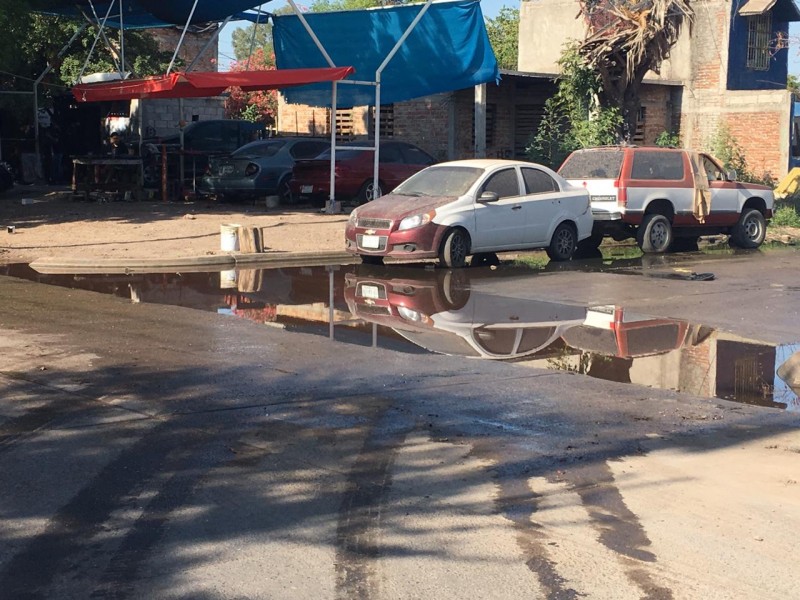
[{"x": 332, "y": 207}]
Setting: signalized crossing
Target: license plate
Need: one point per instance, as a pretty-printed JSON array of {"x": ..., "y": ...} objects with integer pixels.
[
  {"x": 370, "y": 241},
  {"x": 306, "y": 189},
  {"x": 370, "y": 291},
  {"x": 226, "y": 170}
]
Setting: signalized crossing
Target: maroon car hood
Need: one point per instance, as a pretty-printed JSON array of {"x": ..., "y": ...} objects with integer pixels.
[{"x": 396, "y": 206}]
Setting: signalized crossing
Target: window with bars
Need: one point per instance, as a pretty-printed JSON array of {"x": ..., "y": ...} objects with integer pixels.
[
  {"x": 491, "y": 117},
  {"x": 759, "y": 32}
]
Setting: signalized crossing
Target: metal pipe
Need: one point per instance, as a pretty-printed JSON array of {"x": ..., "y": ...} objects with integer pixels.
[
  {"x": 378, "y": 73},
  {"x": 253, "y": 38},
  {"x": 35, "y": 92},
  {"x": 313, "y": 35},
  {"x": 332, "y": 195},
  {"x": 121, "y": 42},
  {"x": 97, "y": 37},
  {"x": 183, "y": 35},
  {"x": 103, "y": 33},
  {"x": 208, "y": 44}
]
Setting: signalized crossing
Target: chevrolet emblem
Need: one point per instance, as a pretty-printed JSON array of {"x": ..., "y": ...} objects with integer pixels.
[{"x": 370, "y": 232}]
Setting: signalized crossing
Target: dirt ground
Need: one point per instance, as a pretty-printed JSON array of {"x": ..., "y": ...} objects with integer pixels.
[{"x": 48, "y": 223}]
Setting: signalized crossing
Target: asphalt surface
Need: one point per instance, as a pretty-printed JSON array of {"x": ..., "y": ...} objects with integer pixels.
[{"x": 152, "y": 451}]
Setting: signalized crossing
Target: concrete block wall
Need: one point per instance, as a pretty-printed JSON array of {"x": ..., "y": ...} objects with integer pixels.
[{"x": 161, "y": 117}]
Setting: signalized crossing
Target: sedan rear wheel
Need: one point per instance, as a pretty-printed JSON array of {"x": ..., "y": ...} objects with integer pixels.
[
  {"x": 454, "y": 249},
  {"x": 285, "y": 196},
  {"x": 563, "y": 244}
]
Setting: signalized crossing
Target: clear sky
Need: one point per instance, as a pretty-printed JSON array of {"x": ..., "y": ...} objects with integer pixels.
[{"x": 490, "y": 9}]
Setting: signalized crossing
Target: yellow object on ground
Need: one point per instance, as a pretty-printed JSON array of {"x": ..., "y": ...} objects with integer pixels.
[{"x": 789, "y": 185}]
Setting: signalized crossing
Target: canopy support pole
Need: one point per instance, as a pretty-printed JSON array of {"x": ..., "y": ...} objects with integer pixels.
[
  {"x": 103, "y": 35},
  {"x": 208, "y": 44},
  {"x": 37, "y": 146},
  {"x": 311, "y": 33},
  {"x": 253, "y": 38},
  {"x": 332, "y": 208},
  {"x": 96, "y": 37},
  {"x": 378, "y": 73},
  {"x": 121, "y": 42},
  {"x": 183, "y": 35}
]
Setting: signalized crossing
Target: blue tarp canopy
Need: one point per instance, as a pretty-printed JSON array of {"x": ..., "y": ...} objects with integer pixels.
[
  {"x": 448, "y": 50},
  {"x": 142, "y": 14}
]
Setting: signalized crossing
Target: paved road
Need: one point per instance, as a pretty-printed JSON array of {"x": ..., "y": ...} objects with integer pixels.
[{"x": 162, "y": 452}]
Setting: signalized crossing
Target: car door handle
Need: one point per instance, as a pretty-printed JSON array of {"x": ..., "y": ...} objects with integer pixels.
[{"x": 516, "y": 207}]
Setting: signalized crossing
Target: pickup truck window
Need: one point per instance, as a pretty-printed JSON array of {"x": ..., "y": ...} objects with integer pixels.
[
  {"x": 593, "y": 164},
  {"x": 666, "y": 166}
]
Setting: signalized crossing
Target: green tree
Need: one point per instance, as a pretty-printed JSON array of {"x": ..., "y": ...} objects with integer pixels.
[
  {"x": 503, "y": 33},
  {"x": 573, "y": 116}
]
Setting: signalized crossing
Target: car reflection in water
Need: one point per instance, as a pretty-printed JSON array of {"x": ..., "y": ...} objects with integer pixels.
[{"x": 437, "y": 310}]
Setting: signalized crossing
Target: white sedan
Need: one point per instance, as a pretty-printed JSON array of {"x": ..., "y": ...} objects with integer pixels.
[{"x": 456, "y": 209}]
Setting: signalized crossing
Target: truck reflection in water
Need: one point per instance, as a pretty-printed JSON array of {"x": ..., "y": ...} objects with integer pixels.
[
  {"x": 440, "y": 312},
  {"x": 414, "y": 310}
]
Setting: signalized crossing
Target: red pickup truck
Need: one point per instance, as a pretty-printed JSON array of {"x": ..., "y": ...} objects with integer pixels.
[{"x": 656, "y": 195}]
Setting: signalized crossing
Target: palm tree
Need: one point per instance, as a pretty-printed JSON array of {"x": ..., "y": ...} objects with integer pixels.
[{"x": 625, "y": 40}]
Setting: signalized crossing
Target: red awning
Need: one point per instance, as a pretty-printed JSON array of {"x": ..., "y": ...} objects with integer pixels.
[{"x": 198, "y": 85}]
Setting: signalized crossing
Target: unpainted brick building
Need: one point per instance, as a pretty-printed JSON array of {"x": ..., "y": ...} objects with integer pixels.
[{"x": 726, "y": 73}]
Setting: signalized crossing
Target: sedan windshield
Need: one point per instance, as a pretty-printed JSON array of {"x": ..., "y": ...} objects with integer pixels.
[{"x": 440, "y": 181}]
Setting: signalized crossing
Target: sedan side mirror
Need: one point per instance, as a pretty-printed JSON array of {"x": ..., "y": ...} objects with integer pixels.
[
  {"x": 489, "y": 197},
  {"x": 731, "y": 175}
]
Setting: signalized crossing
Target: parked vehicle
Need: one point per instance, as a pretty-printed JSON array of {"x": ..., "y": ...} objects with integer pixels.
[
  {"x": 261, "y": 168},
  {"x": 355, "y": 171},
  {"x": 656, "y": 195},
  {"x": 455, "y": 209},
  {"x": 201, "y": 140}
]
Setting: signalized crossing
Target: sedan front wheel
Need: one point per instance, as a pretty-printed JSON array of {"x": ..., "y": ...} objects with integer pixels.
[{"x": 454, "y": 249}]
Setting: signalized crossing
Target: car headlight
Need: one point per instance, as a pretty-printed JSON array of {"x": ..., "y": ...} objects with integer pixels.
[
  {"x": 409, "y": 314},
  {"x": 416, "y": 221},
  {"x": 353, "y": 220},
  {"x": 251, "y": 169}
]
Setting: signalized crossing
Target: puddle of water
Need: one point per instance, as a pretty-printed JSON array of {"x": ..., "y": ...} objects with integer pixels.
[{"x": 418, "y": 310}]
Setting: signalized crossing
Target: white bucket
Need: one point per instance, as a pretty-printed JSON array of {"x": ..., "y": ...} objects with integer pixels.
[
  {"x": 229, "y": 237},
  {"x": 227, "y": 279}
]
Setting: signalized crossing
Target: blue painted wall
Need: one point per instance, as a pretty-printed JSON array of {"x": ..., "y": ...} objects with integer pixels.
[{"x": 739, "y": 76}]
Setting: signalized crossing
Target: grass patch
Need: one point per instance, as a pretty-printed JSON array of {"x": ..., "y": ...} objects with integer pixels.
[{"x": 785, "y": 216}]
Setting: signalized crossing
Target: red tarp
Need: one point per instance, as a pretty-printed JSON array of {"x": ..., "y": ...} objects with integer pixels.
[{"x": 198, "y": 85}]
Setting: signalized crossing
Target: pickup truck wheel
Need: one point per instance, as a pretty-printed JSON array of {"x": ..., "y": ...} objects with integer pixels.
[
  {"x": 454, "y": 249},
  {"x": 563, "y": 244},
  {"x": 654, "y": 235},
  {"x": 750, "y": 231}
]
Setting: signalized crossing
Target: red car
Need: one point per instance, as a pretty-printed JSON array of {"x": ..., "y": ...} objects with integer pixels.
[{"x": 354, "y": 171}]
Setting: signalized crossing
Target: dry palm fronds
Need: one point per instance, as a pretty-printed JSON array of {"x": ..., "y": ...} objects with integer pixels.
[{"x": 635, "y": 35}]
